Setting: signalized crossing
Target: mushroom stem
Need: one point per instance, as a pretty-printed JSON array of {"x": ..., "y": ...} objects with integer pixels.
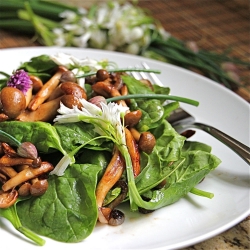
[
  {"x": 107, "y": 89},
  {"x": 26, "y": 174},
  {"x": 8, "y": 171},
  {"x": 57, "y": 92},
  {"x": 112, "y": 174},
  {"x": 37, "y": 83},
  {"x": 46, "y": 112},
  {"x": 7, "y": 161},
  {"x": 28, "y": 96},
  {"x": 46, "y": 89},
  {"x": 136, "y": 134},
  {"x": 3, "y": 178},
  {"x": 8, "y": 150},
  {"x": 133, "y": 151}
]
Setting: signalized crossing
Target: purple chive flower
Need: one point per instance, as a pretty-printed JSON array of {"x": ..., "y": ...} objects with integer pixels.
[{"x": 20, "y": 80}]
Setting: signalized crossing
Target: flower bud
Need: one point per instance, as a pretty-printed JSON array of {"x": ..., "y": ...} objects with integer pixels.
[
  {"x": 192, "y": 46},
  {"x": 97, "y": 101},
  {"x": 27, "y": 150},
  {"x": 229, "y": 66},
  {"x": 20, "y": 80}
]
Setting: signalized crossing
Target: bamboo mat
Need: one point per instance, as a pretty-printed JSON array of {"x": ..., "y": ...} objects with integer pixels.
[{"x": 216, "y": 25}]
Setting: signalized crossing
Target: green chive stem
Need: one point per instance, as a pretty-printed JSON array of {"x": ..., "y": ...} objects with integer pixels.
[
  {"x": 202, "y": 193},
  {"x": 123, "y": 70},
  {"x": 154, "y": 96}
]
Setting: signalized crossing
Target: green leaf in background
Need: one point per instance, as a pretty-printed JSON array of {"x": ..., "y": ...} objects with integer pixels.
[
  {"x": 41, "y": 66},
  {"x": 132, "y": 30}
]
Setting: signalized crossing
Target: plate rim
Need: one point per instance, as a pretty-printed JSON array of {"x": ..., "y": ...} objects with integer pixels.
[{"x": 214, "y": 84}]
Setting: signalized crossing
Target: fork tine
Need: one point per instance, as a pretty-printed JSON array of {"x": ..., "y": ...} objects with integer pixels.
[
  {"x": 138, "y": 75},
  {"x": 143, "y": 75},
  {"x": 155, "y": 79}
]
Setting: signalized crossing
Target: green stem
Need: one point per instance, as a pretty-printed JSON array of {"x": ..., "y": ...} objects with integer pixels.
[
  {"x": 134, "y": 196},
  {"x": 40, "y": 28},
  {"x": 29, "y": 234},
  {"x": 123, "y": 70},
  {"x": 177, "y": 58},
  {"x": 202, "y": 193},
  {"x": 154, "y": 96},
  {"x": 5, "y": 137},
  {"x": 4, "y": 74},
  {"x": 11, "y": 215},
  {"x": 17, "y": 25},
  {"x": 46, "y": 9},
  {"x": 25, "y": 15}
]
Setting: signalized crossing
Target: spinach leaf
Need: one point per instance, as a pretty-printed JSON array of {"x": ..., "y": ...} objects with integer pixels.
[
  {"x": 11, "y": 215},
  {"x": 41, "y": 134},
  {"x": 67, "y": 212},
  {"x": 74, "y": 134},
  {"x": 161, "y": 90},
  {"x": 198, "y": 163},
  {"x": 41, "y": 66},
  {"x": 96, "y": 157},
  {"x": 153, "y": 110},
  {"x": 156, "y": 166}
]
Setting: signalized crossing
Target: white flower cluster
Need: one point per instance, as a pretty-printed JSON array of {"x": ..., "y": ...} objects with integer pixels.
[
  {"x": 106, "y": 120},
  {"x": 111, "y": 26},
  {"x": 78, "y": 66}
]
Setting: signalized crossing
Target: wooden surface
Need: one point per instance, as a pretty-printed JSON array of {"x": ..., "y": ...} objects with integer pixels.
[{"x": 214, "y": 25}]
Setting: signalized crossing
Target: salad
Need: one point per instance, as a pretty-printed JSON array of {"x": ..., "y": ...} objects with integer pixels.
[{"x": 87, "y": 136}]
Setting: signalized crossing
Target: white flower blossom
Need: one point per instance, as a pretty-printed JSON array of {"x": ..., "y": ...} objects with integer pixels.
[
  {"x": 132, "y": 48},
  {"x": 62, "y": 59},
  {"x": 98, "y": 39},
  {"x": 136, "y": 33},
  {"x": 81, "y": 41},
  {"x": 82, "y": 11},
  {"x": 70, "y": 61},
  {"x": 106, "y": 121},
  {"x": 77, "y": 66},
  {"x": 58, "y": 31},
  {"x": 129, "y": 25},
  {"x": 86, "y": 22},
  {"x": 60, "y": 41},
  {"x": 68, "y": 15},
  {"x": 70, "y": 27}
]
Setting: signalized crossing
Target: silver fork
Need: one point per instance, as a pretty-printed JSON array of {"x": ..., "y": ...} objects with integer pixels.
[{"x": 181, "y": 120}]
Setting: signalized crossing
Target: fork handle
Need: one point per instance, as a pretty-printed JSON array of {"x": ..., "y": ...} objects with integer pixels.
[{"x": 239, "y": 148}]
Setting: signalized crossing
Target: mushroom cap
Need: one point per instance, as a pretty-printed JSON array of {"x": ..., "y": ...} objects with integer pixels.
[{"x": 13, "y": 101}]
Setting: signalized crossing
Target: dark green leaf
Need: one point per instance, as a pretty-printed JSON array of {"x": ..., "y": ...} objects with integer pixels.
[
  {"x": 39, "y": 64},
  {"x": 67, "y": 212},
  {"x": 41, "y": 134}
]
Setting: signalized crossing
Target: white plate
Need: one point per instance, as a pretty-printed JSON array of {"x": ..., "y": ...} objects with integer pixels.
[{"x": 193, "y": 219}]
